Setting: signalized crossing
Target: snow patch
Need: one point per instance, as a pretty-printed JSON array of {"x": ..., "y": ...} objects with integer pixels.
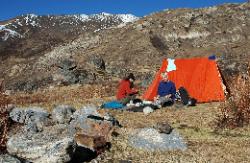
[
  {"x": 126, "y": 18},
  {"x": 8, "y": 33},
  {"x": 30, "y": 19}
]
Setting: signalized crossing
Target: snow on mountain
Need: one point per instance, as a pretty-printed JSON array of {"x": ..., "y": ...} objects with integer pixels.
[
  {"x": 7, "y": 33},
  {"x": 95, "y": 22},
  {"x": 31, "y": 19},
  {"x": 126, "y": 18}
]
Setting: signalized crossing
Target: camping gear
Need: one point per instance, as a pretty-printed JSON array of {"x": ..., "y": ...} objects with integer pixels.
[
  {"x": 184, "y": 97},
  {"x": 112, "y": 105},
  {"x": 200, "y": 76}
]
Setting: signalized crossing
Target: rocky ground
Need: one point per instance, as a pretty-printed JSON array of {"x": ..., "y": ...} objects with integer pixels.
[{"x": 196, "y": 126}]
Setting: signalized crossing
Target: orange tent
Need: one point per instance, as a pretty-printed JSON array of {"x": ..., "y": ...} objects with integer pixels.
[{"x": 200, "y": 76}]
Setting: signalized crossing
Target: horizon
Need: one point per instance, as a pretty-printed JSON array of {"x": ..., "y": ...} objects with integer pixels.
[{"x": 139, "y": 8}]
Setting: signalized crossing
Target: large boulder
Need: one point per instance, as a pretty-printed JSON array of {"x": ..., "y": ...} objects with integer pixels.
[
  {"x": 51, "y": 146},
  {"x": 94, "y": 123},
  {"x": 96, "y": 61},
  {"x": 62, "y": 114},
  {"x": 68, "y": 73},
  {"x": 33, "y": 118},
  {"x": 8, "y": 159},
  {"x": 150, "y": 139},
  {"x": 67, "y": 64}
]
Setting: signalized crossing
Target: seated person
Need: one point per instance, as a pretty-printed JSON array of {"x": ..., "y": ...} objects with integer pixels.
[
  {"x": 126, "y": 92},
  {"x": 166, "y": 91}
]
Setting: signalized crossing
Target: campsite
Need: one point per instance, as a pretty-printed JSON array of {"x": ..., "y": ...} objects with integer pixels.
[{"x": 61, "y": 79}]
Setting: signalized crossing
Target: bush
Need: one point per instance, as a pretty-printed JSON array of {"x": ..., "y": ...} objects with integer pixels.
[
  {"x": 4, "y": 119},
  {"x": 235, "y": 112}
]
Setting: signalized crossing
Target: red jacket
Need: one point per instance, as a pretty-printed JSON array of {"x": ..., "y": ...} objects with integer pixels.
[{"x": 124, "y": 90}]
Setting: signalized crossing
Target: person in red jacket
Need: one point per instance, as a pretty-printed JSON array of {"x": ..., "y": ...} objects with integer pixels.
[{"x": 126, "y": 92}]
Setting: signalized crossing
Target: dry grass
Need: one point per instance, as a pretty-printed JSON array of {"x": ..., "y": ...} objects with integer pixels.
[{"x": 195, "y": 124}]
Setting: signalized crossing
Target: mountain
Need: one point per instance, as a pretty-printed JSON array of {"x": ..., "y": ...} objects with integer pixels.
[
  {"x": 31, "y": 34},
  {"x": 42, "y": 54}
]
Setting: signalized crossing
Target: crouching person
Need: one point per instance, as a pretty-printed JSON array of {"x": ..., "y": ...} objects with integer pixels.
[
  {"x": 166, "y": 92},
  {"x": 126, "y": 90}
]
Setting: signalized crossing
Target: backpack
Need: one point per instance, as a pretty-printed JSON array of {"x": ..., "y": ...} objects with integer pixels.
[{"x": 183, "y": 96}]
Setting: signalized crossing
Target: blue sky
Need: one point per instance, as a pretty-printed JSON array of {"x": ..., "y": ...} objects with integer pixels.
[{"x": 12, "y": 8}]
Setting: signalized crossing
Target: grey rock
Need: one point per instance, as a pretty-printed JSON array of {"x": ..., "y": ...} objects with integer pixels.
[
  {"x": 147, "y": 110},
  {"x": 8, "y": 159},
  {"x": 62, "y": 113},
  {"x": 139, "y": 27},
  {"x": 146, "y": 24},
  {"x": 52, "y": 145},
  {"x": 97, "y": 61},
  {"x": 90, "y": 122},
  {"x": 67, "y": 64},
  {"x": 68, "y": 76},
  {"x": 150, "y": 139},
  {"x": 23, "y": 115},
  {"x": 33, "y": 118},
  {"x": 80, "y": 118},
  {"x": 163, "y": 128}
]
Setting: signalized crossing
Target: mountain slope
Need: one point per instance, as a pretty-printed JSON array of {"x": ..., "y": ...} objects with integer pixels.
[{"x": 140, "y": 46}]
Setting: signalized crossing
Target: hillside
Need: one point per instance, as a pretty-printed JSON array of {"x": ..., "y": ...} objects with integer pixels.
[{"x": 96, "y": 54}]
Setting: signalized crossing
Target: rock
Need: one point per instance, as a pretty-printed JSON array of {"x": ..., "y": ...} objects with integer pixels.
[
  {"x": 67, "y": 76},
  {"x": 33, "y": 118},
  {"x": 84, "y": 76},
  {"x": 139, "y": 27},
  {"x": 92, "y": 122},
  {"x": 150, "y": 139},
  {"x": 67, "y": 64},
  {"x": 62, "y": 113},
  {"x": 163, "y": 128},
  {"x": 147, "y": 110},
  {"x": 8, "y": 159},
  {"x": 97, "y": 61},
  {"x": 93, "y": 143},
  {"x": 51, "y": 145},
  {"x": 145, "y": 24}
]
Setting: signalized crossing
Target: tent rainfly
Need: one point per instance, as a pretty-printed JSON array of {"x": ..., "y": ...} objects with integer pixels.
[{"x": 200, "y": 76}]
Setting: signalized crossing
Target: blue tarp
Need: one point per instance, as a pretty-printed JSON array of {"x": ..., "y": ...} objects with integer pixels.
[{"x": 112, "y": 105}]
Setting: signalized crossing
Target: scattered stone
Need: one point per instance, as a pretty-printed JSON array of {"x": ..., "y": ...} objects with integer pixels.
[
  {"x": 147, "y": 110},
  {"x": 34, "y": 118},
  {"x": 93, "y": 143},
  {"x": 97, "y": 61},
  {"x": 139, "y": 27},
  {"x": 52, "y": 145},
  {"x": 145, "y": 24},
  {"x": 91, "y": 122},
  {"x": 8, "y": 159},
  {"x": 163, "y": 128},
  {"x": 62, "y": 113},
  {"x": 87, "y": 130},
  {"x": 151, "y": 140}
]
